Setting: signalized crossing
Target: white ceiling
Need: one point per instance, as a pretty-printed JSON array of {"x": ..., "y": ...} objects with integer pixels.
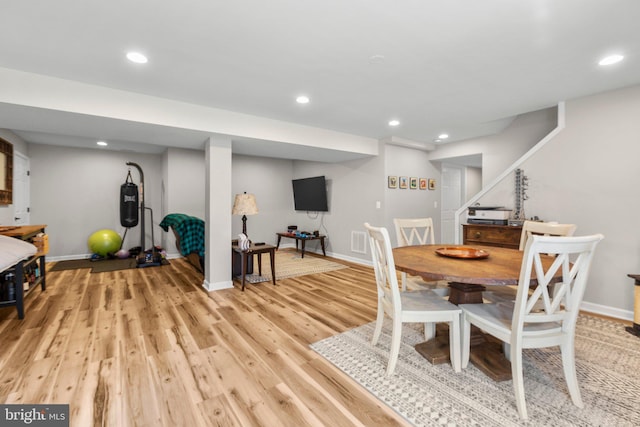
[{"x": 464, "y": 67}]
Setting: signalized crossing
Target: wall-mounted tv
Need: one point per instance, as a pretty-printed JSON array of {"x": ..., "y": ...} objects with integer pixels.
[{"x": 310, "y": 194}]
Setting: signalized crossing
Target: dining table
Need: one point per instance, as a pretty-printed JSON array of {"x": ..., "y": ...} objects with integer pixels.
[{"x": 469, "y": 270}]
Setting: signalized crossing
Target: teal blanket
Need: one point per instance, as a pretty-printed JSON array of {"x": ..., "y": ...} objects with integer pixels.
[{"x": 190, "y": 231}]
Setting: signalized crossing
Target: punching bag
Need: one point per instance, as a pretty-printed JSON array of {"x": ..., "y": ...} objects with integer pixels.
[{"x": 128, "y": 203}]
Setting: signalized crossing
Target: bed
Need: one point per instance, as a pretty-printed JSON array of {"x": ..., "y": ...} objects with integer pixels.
[{"x": 12, "y": 254}]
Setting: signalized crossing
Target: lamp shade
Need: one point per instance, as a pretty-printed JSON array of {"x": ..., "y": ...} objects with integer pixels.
[{"x": 245, "y": 204}]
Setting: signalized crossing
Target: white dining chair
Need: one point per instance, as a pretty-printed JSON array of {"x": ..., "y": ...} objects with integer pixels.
[
  {"x": 529, "y": 228},
  {"x": 407, "y": 307},
  {"x": 416, "y": 231},
  {"x": 523, "y": 325}
]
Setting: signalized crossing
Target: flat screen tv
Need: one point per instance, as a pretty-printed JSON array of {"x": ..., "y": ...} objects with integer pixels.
[{"x": 310, "y": 194}]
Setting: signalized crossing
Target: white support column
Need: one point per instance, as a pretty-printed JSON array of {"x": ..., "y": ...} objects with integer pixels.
[{"x": 218, "y": 214}]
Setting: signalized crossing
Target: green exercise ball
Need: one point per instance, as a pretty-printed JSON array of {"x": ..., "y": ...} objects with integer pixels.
[{"x": 104, "y": 242}]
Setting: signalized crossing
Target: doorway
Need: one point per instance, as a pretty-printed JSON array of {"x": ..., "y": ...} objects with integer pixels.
[
  {"x": 21, "y": 189},
  {"x": 453, "y": 196}
]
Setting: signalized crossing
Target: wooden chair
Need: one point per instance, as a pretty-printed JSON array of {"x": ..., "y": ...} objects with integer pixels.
[
  {"x": 522, "y": 325},
  {"x": 529, "y": 228},
  {"x": 407, "y": 307},
  {"x": 416, "y": 231}
]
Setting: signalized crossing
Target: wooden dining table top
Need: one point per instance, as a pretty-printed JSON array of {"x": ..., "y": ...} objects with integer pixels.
[{"x": 501, "y": 267}]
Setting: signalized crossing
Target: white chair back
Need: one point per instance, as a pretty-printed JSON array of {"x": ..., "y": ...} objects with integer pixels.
[
  {"x": 414, "y": 231},
  {"x": 531, "y": 228},
  {"x": 537, "y": 309},
  {"x": 384, "y": 268}
]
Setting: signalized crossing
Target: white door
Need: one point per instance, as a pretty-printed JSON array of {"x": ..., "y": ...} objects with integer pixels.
[
  {"x": 452, "y": 198},
  {"x": 21, "y": 187}
]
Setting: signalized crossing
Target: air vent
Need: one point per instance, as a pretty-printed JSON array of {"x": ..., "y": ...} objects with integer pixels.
[{"x": 359, "y": 242}]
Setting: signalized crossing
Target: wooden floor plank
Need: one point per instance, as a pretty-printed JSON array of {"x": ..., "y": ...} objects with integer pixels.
[{"x": 151, "y": 347}]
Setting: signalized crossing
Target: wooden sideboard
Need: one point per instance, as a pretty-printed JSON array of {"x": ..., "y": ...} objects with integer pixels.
[
  {"x": 505, "y": 236},
  {"x": 35, "y": 264}
]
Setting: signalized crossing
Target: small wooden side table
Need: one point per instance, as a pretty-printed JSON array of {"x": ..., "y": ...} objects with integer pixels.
[
  {"x": 256, "y": 250},
  {"x": 303, "y": 240}
]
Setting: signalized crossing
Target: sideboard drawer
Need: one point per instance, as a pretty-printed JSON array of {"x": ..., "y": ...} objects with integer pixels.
[{"x": 492, "y": 235}]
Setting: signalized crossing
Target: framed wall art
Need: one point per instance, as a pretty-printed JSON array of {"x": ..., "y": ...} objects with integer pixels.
[
  {"x": 404, "y": 182},
  {"x": 432, "y": 184},
  {"x": 413, "y": 183},
  {"x": 423, "y": 183},
  {"x": 392, "y": 181}
]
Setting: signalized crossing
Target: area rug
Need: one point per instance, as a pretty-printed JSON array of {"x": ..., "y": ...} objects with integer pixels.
[
  {"x": 607, "y": 363},
  {"x": 100, "y": 266},
  {"x": 290, "y": 264}
]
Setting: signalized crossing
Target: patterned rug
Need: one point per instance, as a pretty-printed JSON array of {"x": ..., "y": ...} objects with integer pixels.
[
  {"x": 289, "y": 263},
  {"x": 607, "y": 363}
]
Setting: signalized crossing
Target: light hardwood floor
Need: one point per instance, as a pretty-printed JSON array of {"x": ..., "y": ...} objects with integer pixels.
[{"x": 150, "y": 347}]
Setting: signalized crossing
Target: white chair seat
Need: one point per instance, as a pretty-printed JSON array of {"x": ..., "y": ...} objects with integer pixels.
[
  {"x": 418, "y": 301},
  {"x": 497, "y": 319}
]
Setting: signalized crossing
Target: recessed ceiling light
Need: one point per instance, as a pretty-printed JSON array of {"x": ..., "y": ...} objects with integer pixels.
[
  {"x": 376, "y": 59},
  {"x": 302, "y": 99},
  {"x": 443, "y": 136},
  {"x": 137, "y": 57},
  {"x": 394, "y": 122},
  {"x": 102, "y": 143},
  {"x": 611, "y": 59}
]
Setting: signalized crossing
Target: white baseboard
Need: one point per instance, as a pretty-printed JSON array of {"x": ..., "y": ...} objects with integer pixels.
[
  {"x": 605, "y": 310},
  {"x": 67, "y": 257},
  {"x": 217, "y": 286}
]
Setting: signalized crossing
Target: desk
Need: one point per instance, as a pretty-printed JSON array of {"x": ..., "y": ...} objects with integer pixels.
[
  {"x": 467, "y": 279},
  {"x": 256, "y": 250},
  {"x": 303, "y": 240}
]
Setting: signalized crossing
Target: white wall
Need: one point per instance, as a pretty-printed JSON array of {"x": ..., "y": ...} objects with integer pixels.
[
  {"x": 473, "y": 182},
  {"x": 588, "y": 175},
  {"x": 77, "y": 191},
  {"x": 500, "y": 151},
  {"x": 270, "y": 181},
  {"x": 401, "y": 203},
  {"x": 183, "y": 188},
  {"x": 353, "y": 189}
]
